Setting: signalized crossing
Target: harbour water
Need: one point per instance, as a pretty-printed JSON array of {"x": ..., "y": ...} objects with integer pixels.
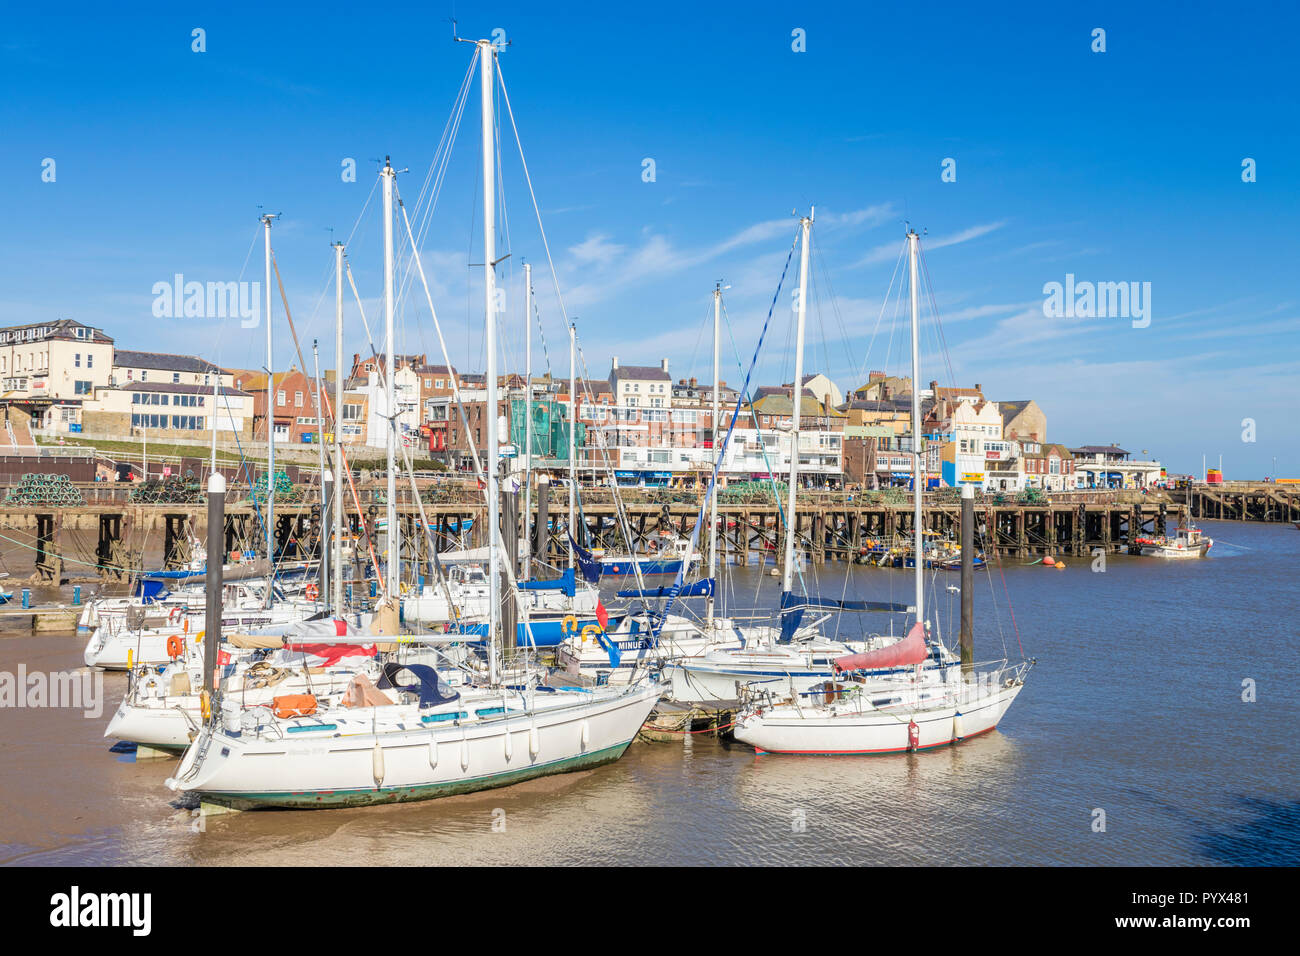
[{"x": 1135, "y": 708}]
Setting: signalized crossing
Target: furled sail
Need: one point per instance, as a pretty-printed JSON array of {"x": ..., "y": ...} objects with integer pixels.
[
  {"x": 910, "y": 650},
  {"x": 701, "y": 588}
]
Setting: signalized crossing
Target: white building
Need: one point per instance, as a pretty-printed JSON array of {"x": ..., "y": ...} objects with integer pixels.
[{"x": 406, "y": 394}]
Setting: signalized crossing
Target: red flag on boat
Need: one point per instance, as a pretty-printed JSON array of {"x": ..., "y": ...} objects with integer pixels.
[
  {"x": 910, "y": 650},
  {"x": 602, "y": 615},
  {"x": 327, "y": 655}
]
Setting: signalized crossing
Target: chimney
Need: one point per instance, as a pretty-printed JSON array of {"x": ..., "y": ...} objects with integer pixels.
[
  {"x": 663, "y": 364},
  {"x": 934, "y": 387},
  {"x": 694, "y": 381},
  {"x": 979, "y": 388},
  {"x": 616, "y": 362}
]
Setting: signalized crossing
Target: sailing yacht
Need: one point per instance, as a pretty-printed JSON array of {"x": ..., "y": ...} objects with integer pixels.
[
  {"x": 412, "y": 737},
  {"x": 794, "y": 655},
  {"x": 162, "y": 707},
  {"x": 889, "y": 702},
  {"x": 119, "y": 641}
]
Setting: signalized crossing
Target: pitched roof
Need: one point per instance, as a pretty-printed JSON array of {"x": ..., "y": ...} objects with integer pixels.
[
  {"x": 809, "y": 407},
  {"x": 125, "y": 358},
  {"x": 179, "y": 389},
  {"x": 640, "y": 373},
  {"x": 58, "y": 329}
]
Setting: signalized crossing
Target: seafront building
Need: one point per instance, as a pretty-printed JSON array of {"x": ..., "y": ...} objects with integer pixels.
[{"x": 638, "y": 423}]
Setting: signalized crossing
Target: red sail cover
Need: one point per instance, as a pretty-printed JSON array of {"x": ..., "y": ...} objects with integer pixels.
[{"x": 910, "y": 650}]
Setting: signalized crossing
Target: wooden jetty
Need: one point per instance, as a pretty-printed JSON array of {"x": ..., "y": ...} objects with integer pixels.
[
  {"x": 107, "y": 536},
  {"x": 1241, "y": 501}
]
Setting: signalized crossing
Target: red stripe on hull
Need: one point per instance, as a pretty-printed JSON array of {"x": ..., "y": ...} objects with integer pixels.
[{"x": 851, "y": 753}]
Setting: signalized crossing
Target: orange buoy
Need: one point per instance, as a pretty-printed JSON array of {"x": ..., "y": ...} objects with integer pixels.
[{"x": 1048, "y": 561}]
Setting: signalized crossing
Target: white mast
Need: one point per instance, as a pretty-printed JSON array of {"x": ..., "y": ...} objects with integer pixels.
[
  {"x": 486, "y": 87},
  {"x": 717, "y": 450},
  {"x": 918, "y": 471},
  {"x": 325, "y": 478},
  {"x": 270, "y": 416},
  {"x": 796, "y": 404},
  {"x": 338, "y": 427},
  {"x": 528, "y": 419},
  {"x": 573, "y": 428},
  {"x": 391, "y": 580}
]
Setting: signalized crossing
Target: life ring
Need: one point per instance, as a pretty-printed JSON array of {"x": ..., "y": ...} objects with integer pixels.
[
  {"x": 175, "y": 646},
  {"x": 589, "y": 633},
  {"x": 313, "y": 592},
  {"x": 570, "y": 624}
]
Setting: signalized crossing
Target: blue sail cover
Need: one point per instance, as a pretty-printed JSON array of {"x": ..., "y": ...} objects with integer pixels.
[
  {"x": 705, "y": 587},
  {"x": 150, "y": 590},
  {"x": 793, "y": 606},
  {"x": 566, "y": 582}
]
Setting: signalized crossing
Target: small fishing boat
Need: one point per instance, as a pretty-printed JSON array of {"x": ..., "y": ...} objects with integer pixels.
[{"x": 1186, "y": 543}]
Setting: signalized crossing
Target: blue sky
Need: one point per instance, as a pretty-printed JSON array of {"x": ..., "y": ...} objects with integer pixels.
[{"x": 1117, "y": 166}]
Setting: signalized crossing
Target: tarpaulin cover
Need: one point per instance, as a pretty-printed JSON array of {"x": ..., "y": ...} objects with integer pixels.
[
  {"x": 910, "y": 650},
  {"x": 362, "y": 693},
  {"x": 430, "y": 687}
]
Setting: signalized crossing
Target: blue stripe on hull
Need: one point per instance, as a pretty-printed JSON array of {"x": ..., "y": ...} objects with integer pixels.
[
  {"x": 609, "y": 568},
  {"x": 545, "y": 633}
]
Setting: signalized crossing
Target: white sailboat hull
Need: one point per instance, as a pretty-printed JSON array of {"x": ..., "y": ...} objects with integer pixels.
[
  {"x": 172, "y": 722},
  {"x": 317, "y": 770},
  {"x": 821, "y": 731},
  {"x": 110, "y": 643}
]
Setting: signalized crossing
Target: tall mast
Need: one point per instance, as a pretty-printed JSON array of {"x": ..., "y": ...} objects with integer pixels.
[
  {"x": 796, "y": 404},
  {"x": 270, "y": 416},
  {"x": 713, "y": 502},
  {"x": 392, "y": 578},
  {"x": 325, "y": 482},
  {"x": 918, "y": 470},
  {"x": 338, "y": 428},
  {"x": 216, "y": 391},
  {"x": 486, "y": 87},
  {"x": 528, "y": 419},
  {"x": 573, "y": 428}
]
